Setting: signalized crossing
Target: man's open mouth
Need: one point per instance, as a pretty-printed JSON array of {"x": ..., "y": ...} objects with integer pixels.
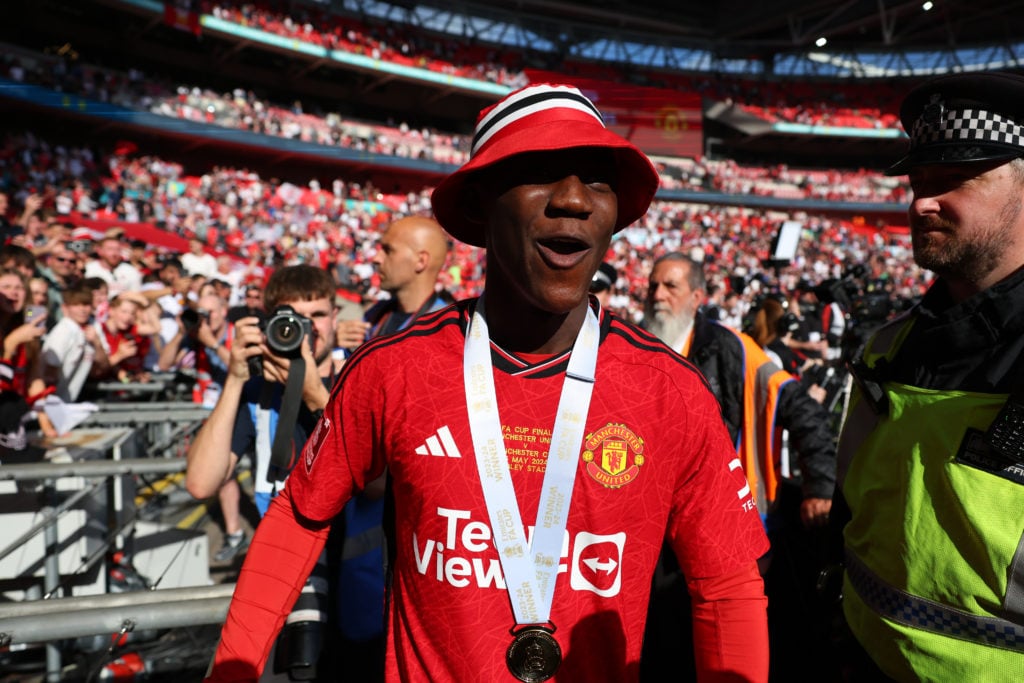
[{"x": 564, "y": 245}]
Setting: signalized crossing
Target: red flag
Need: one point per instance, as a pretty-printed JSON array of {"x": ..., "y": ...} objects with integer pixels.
[
  {"x": 183, "y": 15},
  {"x": 125, "y": 147},
  {"x": 657, "y": 120}
]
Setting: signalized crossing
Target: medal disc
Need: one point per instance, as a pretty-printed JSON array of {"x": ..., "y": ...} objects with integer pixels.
[{"x": 534, "y": 655}]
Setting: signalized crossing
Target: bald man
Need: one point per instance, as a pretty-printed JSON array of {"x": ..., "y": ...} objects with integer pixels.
[{"x": 409, "y": 257}]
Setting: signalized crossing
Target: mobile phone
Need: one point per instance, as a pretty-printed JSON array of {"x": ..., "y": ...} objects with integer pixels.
[{"x": 35, "y": 314}]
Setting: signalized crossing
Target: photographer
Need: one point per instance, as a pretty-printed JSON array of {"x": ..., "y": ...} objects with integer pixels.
[
  {"x": 246, "y": 415},
  {"x": 202, "y": 344},
  {"x": 807, "y": 338}
]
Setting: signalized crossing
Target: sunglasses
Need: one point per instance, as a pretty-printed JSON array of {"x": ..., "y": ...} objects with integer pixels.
[{"x": 65, "y": 259}]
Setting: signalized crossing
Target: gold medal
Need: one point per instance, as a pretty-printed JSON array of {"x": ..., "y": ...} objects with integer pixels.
[{"x": 534, "y": 655}]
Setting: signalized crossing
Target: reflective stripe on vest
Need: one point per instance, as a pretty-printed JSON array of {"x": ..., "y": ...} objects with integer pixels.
[
  {"x": 911, "y": 610},
  {"x": 759, "y": 448}
]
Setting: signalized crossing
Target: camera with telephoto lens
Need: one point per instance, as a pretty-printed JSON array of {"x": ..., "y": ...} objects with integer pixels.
[
  {"x": 284, "y": 330},
  {"x": 192, "y": 318}
]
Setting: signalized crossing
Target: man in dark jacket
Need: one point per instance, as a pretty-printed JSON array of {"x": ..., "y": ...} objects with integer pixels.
[{"x": 756, "y": 397}]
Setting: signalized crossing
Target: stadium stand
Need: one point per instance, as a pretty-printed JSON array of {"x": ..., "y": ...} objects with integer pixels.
[{"x": 277, "y": 134}]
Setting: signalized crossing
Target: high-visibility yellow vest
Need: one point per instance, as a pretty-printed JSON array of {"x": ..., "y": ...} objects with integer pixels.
[{"x": 934, "y": 585}]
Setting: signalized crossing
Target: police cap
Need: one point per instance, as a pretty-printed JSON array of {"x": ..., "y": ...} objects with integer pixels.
[
  {"x": 963, "y": 118},
  {"x": 604, "y": 278}
]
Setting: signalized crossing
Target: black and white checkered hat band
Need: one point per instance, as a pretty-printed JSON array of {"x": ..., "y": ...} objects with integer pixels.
[{"x": 966, "y": 125}]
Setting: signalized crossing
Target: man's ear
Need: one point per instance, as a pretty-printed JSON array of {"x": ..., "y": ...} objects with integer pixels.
[{"x": 422, "y": 260}]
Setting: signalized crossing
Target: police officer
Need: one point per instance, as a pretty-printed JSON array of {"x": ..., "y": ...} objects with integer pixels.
[{"x": 929, "y": 466}]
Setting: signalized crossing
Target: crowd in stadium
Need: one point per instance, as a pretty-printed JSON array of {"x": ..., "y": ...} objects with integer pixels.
[
  {"x": 243, "y": 110},
  {"x": 237, "y": 213},
  {"x": 409, "y": 48}
]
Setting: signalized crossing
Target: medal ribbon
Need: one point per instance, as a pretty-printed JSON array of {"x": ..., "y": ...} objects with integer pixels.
[{"x": 529, "y": 569}]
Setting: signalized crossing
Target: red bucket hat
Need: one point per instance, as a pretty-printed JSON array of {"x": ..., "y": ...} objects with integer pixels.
[{"x": 543, "y": 118}]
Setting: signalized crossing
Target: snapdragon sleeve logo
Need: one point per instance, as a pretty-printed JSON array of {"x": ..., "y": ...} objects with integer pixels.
[{"x": 613, "y": 455}]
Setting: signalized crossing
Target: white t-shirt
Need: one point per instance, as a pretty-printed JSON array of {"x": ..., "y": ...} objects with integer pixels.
[
  {"x": 67, "y": 348},
  {"x": 124, "y": 278},
  {"x": 204, "y": 264}
]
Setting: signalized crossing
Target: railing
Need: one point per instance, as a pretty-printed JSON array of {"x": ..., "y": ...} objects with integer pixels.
[
  {"x": 111, "y": 431},
  {"x": 49, "y": 620}
]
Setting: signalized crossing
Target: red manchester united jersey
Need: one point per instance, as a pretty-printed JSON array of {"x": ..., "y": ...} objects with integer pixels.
[{"x": 655, "y": 461}]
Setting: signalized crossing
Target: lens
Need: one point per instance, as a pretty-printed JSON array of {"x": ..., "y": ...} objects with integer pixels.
[
  {"x": 190, "y": 319},
  {"x": 284, "y": 333}
]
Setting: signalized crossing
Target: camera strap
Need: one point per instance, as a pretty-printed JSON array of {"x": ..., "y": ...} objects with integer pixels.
[{"x": 283, "y": 449}]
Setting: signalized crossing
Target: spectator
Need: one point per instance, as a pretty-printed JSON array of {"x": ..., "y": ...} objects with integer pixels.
[
  {"x": 137, "y": 257},
  {"x": 252, "y": 304},
  {"x": 174, "y": 294},
  {"x": 232, "y": 276},
  {"x": 15, "y": 257},
  {"x": 39, "y": 292},
  {"x": 109, "y": 265},
  {"x": 203, "y": 345},
  {"x": 125, "y": 340},
  {"x": 56, "y": 231},
  {"x": 60, "y": 270},
  {"x": 32, "y": 223},
  {"x": 732, "y": 310},
  {"x": 197, "y": 262},
  {"x": 8, "y": 229},
  {"x": 21, "y": 340},
  {"x": 71, "y": 346},
  {"x": 221, "y": 288},
  {"x": 100, "y": 297}
]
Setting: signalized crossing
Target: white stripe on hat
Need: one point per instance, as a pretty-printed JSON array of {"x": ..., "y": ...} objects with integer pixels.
[{"x": 537, "y": 99}]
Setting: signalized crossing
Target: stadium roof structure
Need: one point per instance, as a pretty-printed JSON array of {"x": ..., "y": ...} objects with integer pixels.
[{"x": 779, "y": 38}]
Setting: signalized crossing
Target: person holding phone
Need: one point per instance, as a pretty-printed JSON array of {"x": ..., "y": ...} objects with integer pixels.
[{"x": 22, "y": 350}]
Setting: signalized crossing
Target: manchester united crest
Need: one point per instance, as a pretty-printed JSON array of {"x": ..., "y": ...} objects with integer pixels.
[{"x": 613, "y": 455}]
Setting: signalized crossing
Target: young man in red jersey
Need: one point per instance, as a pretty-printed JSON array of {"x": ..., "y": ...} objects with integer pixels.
[{"x": 539, "y": 448}]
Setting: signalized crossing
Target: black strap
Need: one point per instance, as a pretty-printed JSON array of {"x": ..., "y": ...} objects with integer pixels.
[
  {"x": 282, "y": 450},
  {"x": 869, "y": 380},
  {"x": 1005, "y": 436}
]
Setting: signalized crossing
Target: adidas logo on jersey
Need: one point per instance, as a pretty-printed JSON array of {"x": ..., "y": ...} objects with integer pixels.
[{"x": 440, "y": 444}]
